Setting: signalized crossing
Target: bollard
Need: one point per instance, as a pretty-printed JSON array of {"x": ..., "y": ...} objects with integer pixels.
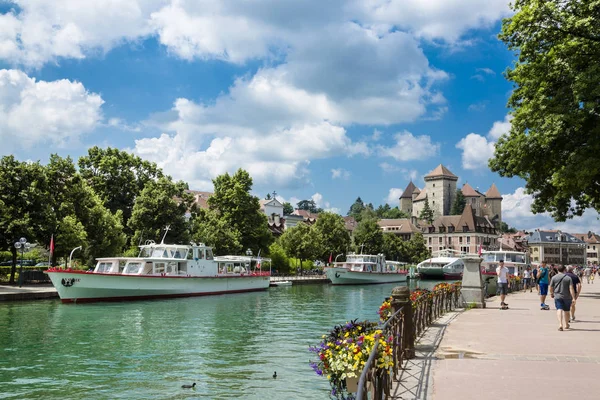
[{"x": 401, "y": 300}]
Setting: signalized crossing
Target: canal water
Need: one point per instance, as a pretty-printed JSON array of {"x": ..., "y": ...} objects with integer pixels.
[{"x": 229, "y": 345}]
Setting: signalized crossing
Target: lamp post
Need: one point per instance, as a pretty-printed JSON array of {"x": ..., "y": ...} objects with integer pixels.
[
  {"x": 71, "y": 255},
  {"x": 22, "y": 245}
]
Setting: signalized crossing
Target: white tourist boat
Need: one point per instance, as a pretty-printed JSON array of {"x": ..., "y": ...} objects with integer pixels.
[
  {"x": 161, "y": 271},
  {"x": 360, "y": 269},
  {"x": 445, "y": 265}
]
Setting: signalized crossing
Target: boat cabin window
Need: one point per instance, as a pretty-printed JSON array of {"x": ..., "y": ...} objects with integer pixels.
[
  {"x": 159, "y": 267},
  {"x": 159, "y": 252},
  {"x": 104, "y": 267},
  {"x": 200, "y": 254},
  {"x": 209, "y": 254},
  {"x": 133, "y": 268},
  {"x": 190, "y": 254},
  {"x": 489, "y": 257}
]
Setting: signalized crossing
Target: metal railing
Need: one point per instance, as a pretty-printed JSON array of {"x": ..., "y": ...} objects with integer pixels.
[{"x": 408, "y": 321}]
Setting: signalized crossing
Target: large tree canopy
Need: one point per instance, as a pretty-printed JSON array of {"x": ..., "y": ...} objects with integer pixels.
[
  {"x": 553, "y": 142},
  {"x": 118, "y": 177}
]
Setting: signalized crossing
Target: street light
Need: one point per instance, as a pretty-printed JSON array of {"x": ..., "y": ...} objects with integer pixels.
[
  {"x": 249, "y": 252},
  {"x": 22, "y": 245},
  {"x": 71, "y": 255}
]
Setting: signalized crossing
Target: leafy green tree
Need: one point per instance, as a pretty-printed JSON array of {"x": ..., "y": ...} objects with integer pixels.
[
  {"x": 395, "y": 213},
  {"x": 393, "y": 247},
  {"x": 309, "y": 205},
  {"x": 279, "y": 260},
  {"x": 416, "y": 250},
  {"x": 70, "y": 196},
  {"x": 504, "y": 228},
  {"x": 209, "y": 228},
  {"x": 240, "y": 210},
  {"x": 72, "y": 234},
  {"x": 268, "y": 196},
  {"x": 162, "y": 203},
  {"x": 332, "y": 229},
  {"x": 302, "y": 242},
  {"x": 459, "y": 203},
  {"x": 118, "y": 177},
  {"x": 553, "y": 141},
  {"x": 288, "y": 209},
  {"x": 426, "y": 213},
  {"x": 24, "y": 209},
  {"x": 368, "y": 237},
  {"x": 356, "y": 209},
  {"x": 382, "y": 209}
]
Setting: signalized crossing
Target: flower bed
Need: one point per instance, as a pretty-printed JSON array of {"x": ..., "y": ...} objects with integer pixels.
[{"x": 343, "y": 352}]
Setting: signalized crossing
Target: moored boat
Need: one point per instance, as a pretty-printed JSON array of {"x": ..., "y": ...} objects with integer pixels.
[
  {"x": 360, "y": 269},
  {"x": 441, "y": 267},
  {"x": 161, "y": 271}
]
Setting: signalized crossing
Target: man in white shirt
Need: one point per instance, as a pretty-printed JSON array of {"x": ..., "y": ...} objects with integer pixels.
[{"x": 502, "y": 273}]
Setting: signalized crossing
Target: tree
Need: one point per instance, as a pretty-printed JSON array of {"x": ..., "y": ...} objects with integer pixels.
[
  {"x": 302, "y": 242},
  {"x": 240, "y": 210},
  {"x": 335, "y": 237},
  {"x": 118, "y": 177},
  {"x": 553, "y": 141},
  {"x": 25, "y": 211},
  {"x": 288, "y": 209},
  {"x": 416, "y": 250},
  {"x": 161, "y": 204},
  {"x": 268, "y": 196},
  {"x": 426, "y": 213},
  {"x": 382, "y": 209},
  {"x": 70, "y": 196},
  {"x": 309, "y": 205},
  {"x": 356, "y": 208},
  {"x": 72, "y": 234},
  {"x": 209, "y": 228},
  {"x": 459, "y": 203},
  {"x": 504, "y": 228},
  {"x": 393, "y": 246},
  {"x": 279, "y": 260},
  {"x": 394, "y": 213},
  {"x": 368, "y": 237}
]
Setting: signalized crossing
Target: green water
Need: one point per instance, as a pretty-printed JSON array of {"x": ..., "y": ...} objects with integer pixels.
[{"x": 229, "y": 345}]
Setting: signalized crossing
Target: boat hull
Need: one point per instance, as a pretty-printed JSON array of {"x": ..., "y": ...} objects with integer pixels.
[
  {"x": 343, "y": 276},
  {"x": 78, "y": 287}
]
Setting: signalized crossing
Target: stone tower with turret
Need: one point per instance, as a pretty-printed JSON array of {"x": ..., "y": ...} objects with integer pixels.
[
  {"x": 406, "y": 199},
  {"x": 440, "y": 185},
  {"x": 493, "y": 205}
]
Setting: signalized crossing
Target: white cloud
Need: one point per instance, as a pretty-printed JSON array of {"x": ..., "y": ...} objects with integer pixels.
[
  {"x": 389, "y": 168},
  {"x": 478, "y": 106},
  {"x": 325, "y": 205},
  {"x": 500, "y": 128},
  {"x": 39, "y": 112},
  {"x": 340, "y": 173},
  {"x": 487, "y": 71},
  {"x": 393, "y": 197},
  {"x": 409, "y": 147},
  {"x": 477, "y": 149},
  {"x": 38, "y": 31},
  {"x": 516, "y": 211}
]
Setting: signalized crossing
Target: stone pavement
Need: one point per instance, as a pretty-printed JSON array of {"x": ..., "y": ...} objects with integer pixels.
[
  {"x": 27, "y": 292},
  {"x": 509, "y": 354}
]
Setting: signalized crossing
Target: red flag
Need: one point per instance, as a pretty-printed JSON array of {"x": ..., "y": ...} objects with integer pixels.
[
  {"x": 330, "y": 257},
  {"x": 52, "y": 244}
]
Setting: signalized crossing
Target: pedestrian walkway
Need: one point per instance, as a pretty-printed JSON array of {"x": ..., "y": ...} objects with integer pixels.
[
  {"x": 30, "y": 292},
  {"x": 519, "y": 353}
]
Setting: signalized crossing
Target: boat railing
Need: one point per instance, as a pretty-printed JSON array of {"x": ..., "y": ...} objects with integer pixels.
[{"x": 407, "y": 323}]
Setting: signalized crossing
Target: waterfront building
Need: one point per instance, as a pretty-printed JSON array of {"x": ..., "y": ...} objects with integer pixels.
[
  {"x": 468, "y": 232},
  {"x": 592, "y": 242},
  {"x": 556, "y": 247},
  {"x": 402, "y": 227},
  {"x": 440, "y": 192}
]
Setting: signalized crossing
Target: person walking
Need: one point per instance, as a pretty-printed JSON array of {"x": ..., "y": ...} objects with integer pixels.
[
  {"x": 561, "y": 290},
  {"x": 543, "y": 283},
  {"x": 587, "y": 272},
  {"x": 527, "y": 278},
  {"x": 502, "y": 273},
  {"x": 576, "y": 288},
  {"x": 535, "y": 279}
]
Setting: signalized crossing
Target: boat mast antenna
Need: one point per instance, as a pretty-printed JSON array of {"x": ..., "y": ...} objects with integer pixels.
[{"x": 165, "y": 235}]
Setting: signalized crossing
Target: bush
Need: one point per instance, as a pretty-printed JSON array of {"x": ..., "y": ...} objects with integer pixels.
[{"x": 279, "y": 260}]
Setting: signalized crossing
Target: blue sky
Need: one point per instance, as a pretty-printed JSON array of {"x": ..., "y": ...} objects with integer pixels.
[{"x": 328, "y": 101}]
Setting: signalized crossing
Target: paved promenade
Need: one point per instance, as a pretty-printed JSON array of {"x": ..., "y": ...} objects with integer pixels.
[
  {"x": 519, "y": 353},
  {"x": 27, "y": 292}
]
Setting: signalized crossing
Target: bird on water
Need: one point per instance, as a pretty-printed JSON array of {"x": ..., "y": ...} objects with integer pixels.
[
  {"x": 189, "y": 386},
  {"x": 275, "y": 375}
]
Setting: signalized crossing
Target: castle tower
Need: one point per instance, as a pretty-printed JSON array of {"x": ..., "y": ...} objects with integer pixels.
[
  {"x": 440, "y": 185},
  {"x": 493, "y": 204},
  {"x": 406, "y": 199}
]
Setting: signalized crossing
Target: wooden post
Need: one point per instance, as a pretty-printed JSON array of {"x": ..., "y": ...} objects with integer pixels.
[{"x": 401, "y": 300}]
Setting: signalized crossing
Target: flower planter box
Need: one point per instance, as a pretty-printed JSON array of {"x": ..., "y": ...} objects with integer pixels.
[{"x": 352, "y": 384}]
